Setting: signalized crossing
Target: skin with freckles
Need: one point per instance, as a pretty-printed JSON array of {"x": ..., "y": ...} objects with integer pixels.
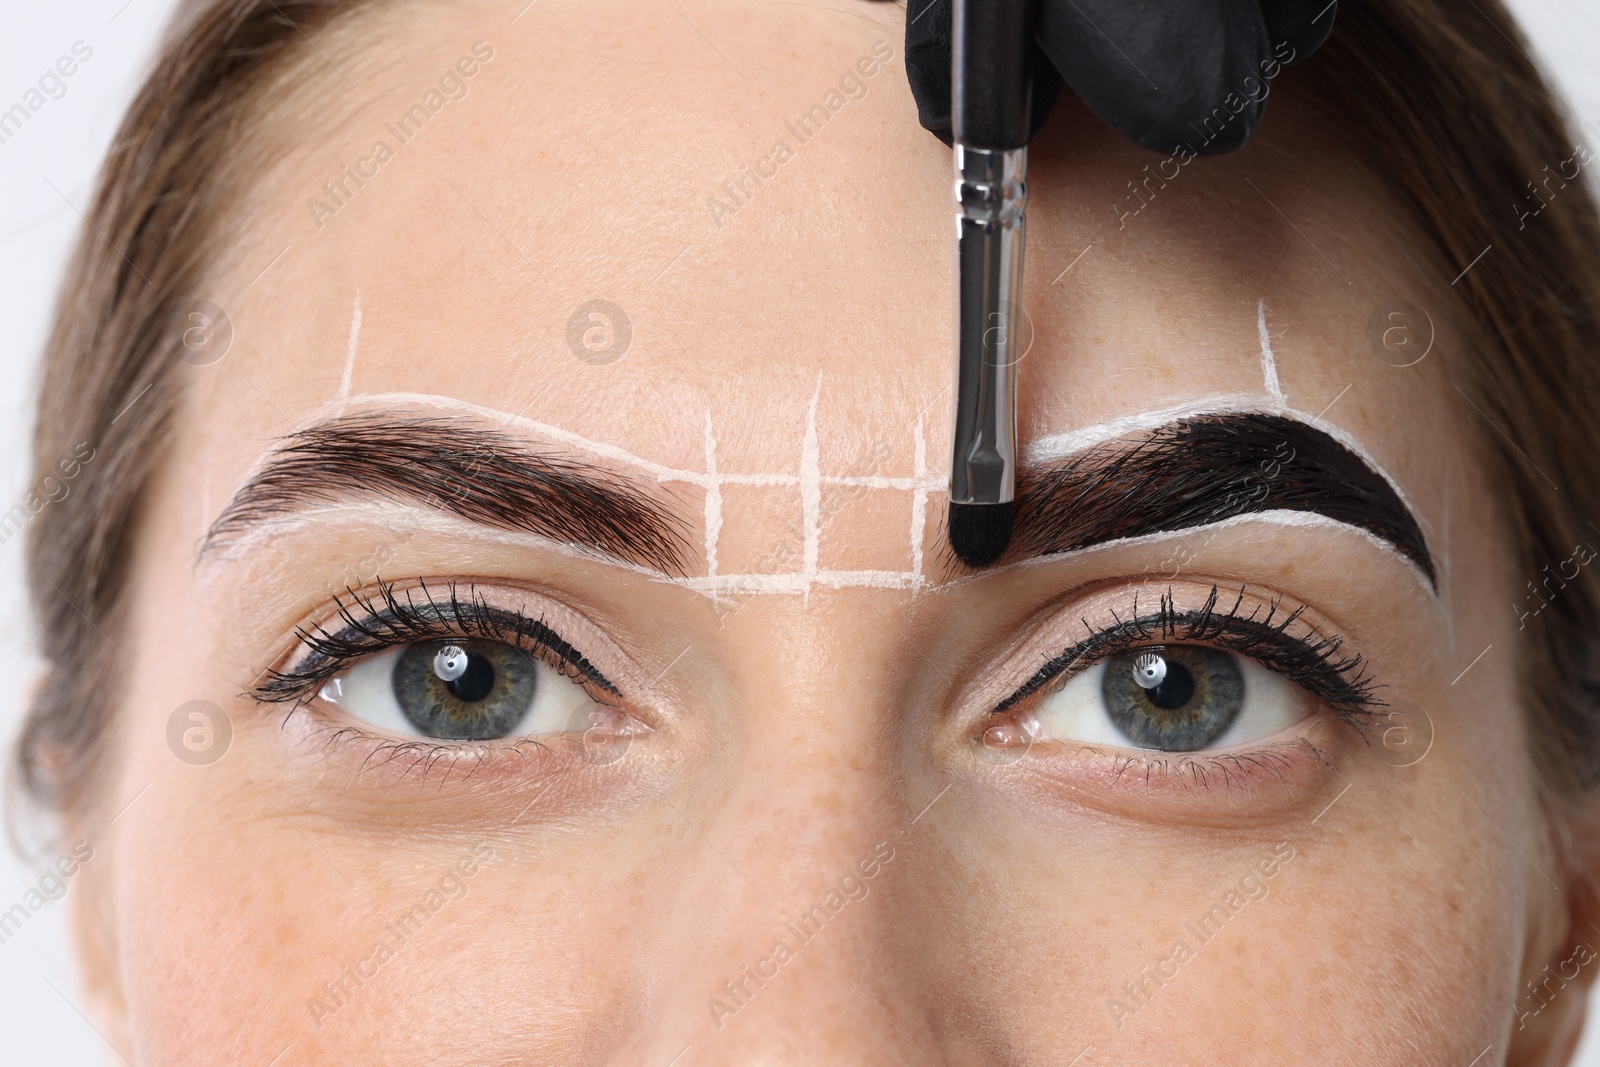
[{"x": 775, "y": 834}]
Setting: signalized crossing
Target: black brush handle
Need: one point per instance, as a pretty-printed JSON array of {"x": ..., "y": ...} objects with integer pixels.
[{"x": 992, "y": 72}]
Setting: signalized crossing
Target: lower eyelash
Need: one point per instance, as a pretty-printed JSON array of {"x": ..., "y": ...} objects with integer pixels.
[
  {"x": 422, "y": 755},
  {"x": 1203, "y": 766},
  {"x": 1203, "y": 771},
  {"x": 375, "y": 622},
  {"x": 1313, "y": 660}
]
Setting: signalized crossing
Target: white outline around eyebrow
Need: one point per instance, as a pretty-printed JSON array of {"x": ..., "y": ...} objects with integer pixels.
[
  {"x": 1065, "y": 445},
  {"x": 1270, "y": 401},
  {"x": 807, "y": 478},
  {"x": 919, "y": 484}
]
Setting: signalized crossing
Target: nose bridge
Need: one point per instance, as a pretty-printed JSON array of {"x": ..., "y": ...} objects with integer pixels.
[{"x": 781, "y": 951}]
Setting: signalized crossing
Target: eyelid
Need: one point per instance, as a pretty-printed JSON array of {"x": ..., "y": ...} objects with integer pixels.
[
  {"x": 1313, "y": 660},
  {"x": 377, "y": 621}
]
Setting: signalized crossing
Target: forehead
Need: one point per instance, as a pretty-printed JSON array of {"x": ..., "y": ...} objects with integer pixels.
[{"x": 718, "y": 235}]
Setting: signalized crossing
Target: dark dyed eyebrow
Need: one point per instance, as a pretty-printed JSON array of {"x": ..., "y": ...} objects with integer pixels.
[
  {"x": 1203, "y": 469},
  {"x": 450, "y": 465}
]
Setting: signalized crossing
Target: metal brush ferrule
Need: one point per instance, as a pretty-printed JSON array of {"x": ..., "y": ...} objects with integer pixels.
[{"x": 991, "y": 193}]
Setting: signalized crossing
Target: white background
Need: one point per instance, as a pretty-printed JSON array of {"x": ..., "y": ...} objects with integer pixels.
[{"x": 62, "y": 145}]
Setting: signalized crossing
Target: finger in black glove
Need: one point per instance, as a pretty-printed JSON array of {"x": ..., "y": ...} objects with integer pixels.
[{"x": 1162, "y": 73}]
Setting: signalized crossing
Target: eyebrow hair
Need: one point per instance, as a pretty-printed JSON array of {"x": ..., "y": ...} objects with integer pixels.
[
  {"x": 1203, "y": 469},
  {"x": 447, "y": 464}
]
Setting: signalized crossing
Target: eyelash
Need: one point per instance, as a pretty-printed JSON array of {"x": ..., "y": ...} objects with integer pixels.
[
  {"x": 1313, "y": 660},
  {"x": 378, "y": 621}
]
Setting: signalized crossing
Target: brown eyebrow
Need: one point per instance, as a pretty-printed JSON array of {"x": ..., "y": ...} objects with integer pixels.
[
  {"x": 1203, "y": 469},
  {"x": 447, "y": 464}
]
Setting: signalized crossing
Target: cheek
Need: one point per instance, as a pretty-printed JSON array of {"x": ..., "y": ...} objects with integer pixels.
[
  {"x": 236, "y": 931},
  {"x": 1400, "y": 904},
  {"x": 251, "y": 929},
  {"x": 248, "y": 907}
]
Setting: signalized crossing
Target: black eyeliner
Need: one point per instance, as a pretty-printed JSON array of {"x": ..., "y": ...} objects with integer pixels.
[
  {"x": 1313, "y": 661},
  {"x": 379, "y": 621}
]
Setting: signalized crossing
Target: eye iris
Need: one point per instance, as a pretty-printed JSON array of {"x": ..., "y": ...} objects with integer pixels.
[
  {"x": 465, "y": 690},
  {"x": 1198, "y": 696}
]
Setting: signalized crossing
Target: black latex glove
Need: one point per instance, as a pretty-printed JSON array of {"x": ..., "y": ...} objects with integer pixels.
[{"x": 1162, "y": 73}]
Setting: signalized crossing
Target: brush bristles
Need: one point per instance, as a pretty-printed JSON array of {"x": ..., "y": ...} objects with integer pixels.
[{"x": 979, "y": 533}]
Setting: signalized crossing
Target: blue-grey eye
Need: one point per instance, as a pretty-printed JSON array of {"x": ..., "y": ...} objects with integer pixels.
[
  {"x": 1177, "y": 698},
  {"x": 1172, "y": 698},
  {"x": 469, "y": 690},
  {"x": 462, "y": 689}
]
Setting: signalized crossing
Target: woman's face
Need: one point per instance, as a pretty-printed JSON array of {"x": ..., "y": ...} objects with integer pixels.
[{"x": 620, "y": 347}]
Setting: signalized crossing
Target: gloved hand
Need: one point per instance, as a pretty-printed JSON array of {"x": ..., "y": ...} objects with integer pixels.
[{"x": 1162, "y": 73}]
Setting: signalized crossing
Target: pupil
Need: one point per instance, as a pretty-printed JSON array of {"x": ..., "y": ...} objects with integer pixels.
[
  {"x": 1173, "y": 691},
  {"x": 475, "y": 682}
]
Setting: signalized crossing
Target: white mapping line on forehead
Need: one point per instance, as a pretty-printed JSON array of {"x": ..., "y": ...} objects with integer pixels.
[
  {"x": 350, "y": 352},
  {"x": 919, "y": 502},
  {"x": 732, "y": 584},
  {"x": 808, "y": 478},
  {"x": 1271, "y": 400},
  {"x": 1063, "y": 445},
  {"x": 1269, "y": 361},
  {"x": 801, "y": 583},
  {"x": 660, "y": 472},
  {"x": 401, "y": 522},
  {"x": 811, "y": 491},
  {"x": 1276, "y": 517},
  {"x": 713, "y": 500}
]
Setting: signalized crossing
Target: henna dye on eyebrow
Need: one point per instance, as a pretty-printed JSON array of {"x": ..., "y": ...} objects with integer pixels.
[{"x": 1204, "y": 469}]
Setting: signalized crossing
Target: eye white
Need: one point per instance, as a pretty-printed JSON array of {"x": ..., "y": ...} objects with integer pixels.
[
  {"x": 1077, "y": 711},
  {"x": 365, "y": 691}
]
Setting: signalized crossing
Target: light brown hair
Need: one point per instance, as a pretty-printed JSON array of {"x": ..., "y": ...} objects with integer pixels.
[{"x": 113, "y": 364}]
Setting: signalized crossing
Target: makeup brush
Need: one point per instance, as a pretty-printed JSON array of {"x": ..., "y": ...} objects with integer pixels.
[{"x": 991, "y": 87}]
